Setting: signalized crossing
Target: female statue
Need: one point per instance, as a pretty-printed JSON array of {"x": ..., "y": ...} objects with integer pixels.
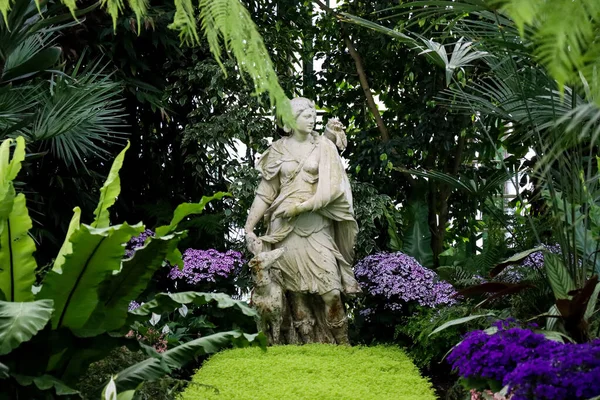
[{"x": 305, "y": 200}]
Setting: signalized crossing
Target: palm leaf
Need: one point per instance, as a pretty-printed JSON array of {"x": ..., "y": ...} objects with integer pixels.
[{"x": 78, "y": 116}]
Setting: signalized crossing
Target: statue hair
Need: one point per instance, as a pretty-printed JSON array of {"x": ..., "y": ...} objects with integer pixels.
[{"x": 299, "y": 105}]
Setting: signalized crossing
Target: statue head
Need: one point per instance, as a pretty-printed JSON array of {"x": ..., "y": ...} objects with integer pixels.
[{"x": 299, "y": 105}]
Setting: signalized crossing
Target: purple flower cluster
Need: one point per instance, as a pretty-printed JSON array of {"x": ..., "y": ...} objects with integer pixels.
[
  {"x": 201, "y": 266},
  {"x": 133, "y": 305},
  {"x": 481, "y": 355},
  {"x": 532, "y": 366},
  {"x": 536, "y": 260},
  {"x": 137, "y": 242},
  {"x": 516, "y": 273},
  {"x": 400, "y": 279},
  {"x": 567, "y": 371}
]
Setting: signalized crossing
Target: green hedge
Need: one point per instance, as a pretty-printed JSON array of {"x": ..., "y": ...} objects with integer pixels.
[{"x": 315, "y": 371}]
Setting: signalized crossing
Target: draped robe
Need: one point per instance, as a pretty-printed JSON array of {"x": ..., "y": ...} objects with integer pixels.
[{"x": 319, "y": 243}]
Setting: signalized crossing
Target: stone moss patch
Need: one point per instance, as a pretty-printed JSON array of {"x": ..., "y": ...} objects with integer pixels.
[{"x": 315, "y": 371}]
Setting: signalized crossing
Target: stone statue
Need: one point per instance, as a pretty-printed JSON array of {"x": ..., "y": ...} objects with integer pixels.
[{"x": 304, "y": 197}]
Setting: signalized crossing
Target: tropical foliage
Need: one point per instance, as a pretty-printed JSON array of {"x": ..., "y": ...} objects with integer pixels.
[{"x": 52, "y": 332}]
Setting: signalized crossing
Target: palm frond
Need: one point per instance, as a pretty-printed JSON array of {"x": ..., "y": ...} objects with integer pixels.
[{"x": 77, "y": 116}]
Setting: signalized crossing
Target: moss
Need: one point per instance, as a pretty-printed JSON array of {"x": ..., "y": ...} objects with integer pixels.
[{"x": 315, "y": 371}]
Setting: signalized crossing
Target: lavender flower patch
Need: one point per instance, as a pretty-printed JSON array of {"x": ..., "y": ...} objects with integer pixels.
[
  {"x": 203, "y": 266},
  {"x": 399, "y": 279}
]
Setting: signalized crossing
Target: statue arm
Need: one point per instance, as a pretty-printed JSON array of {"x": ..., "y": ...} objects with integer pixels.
[
  {"x": 265, "y": 194},
  {"x": 257, "y": 211}
]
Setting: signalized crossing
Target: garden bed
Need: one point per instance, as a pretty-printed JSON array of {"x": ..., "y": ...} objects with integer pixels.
[{"x": 310, "y": 372}]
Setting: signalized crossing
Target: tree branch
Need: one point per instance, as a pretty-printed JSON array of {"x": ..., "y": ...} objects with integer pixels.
[{"x": 362, "y": 76}]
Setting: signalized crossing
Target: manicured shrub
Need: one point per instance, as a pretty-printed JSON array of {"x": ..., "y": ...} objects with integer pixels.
[{"x": 316, "y": 371}]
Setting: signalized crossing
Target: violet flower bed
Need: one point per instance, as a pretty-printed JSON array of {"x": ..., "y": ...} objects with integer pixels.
[{"x": 527, "y": 364}]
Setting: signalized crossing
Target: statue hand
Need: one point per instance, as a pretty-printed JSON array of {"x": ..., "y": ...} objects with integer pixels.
[
  {"x": 253, "y": 243},
  {"x": 290, "y": 211}
]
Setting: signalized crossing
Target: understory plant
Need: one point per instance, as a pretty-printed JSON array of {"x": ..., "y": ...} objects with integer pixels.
[{"x": 51, "y": 333}]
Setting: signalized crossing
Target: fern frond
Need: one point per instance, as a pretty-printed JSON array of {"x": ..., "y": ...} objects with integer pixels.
[
  {"x": 184, "y": 21},
  {"x": 230, "y": 21},
  {"x": 565, "y": 34}
]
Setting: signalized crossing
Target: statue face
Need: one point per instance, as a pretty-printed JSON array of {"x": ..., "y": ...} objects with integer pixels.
[{"x": 306, "y": 121}]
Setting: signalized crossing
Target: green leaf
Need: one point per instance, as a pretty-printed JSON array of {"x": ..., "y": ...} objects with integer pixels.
[
  {"x": 43, "y": 60},
  {"x": 127, "y": 395},
  {"x": 9, "y": 168},
  {"x": 230, "y": 20},
  {"x": 591, "y": 305},
  {"x": 3, "y": 371},
  {"x": 555, "y": 336},
  {"x": 169, "y": 302},
  {"x": 395, "y": 242},
  {"x": 560, "y": 280},
  {"x": 515, "y": 259},
  {"x": 185, "y": 209},
  {"x": 552, "y": 322},
  {"x": 17, "y": 264},
  {"x": 118, "y": 290},
  {"x": 46, "y": 382},
  {"x": 96, "y": 254},
  {"x": 109, "y": 192},
  {"x": 67, "y": 247},
  {"x": 417, "y": 239},
  {"x": 14, "y": 166},
  {"x": 459, "y": 321},
  {"x": 19, "y": 322},
  {"x": 177, "y": 357}
]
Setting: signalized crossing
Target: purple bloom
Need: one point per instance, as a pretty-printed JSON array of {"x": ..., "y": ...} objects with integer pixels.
[
  {"x": 137, "y": 242},
  {"x": 200, "y": 266},
  {"x": 532, "y": 366},
  {"x": 481, "y": 355},
  {"x": 567, "y": 371},
  {"x": 516, "y": 273},
  {"x": 133, "y": 305},
  {"x": 400, "y": 279}
]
